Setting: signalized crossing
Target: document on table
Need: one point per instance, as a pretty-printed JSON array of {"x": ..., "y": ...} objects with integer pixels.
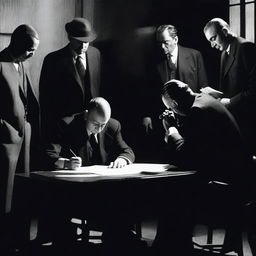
[{"x": 104, "y": 170}]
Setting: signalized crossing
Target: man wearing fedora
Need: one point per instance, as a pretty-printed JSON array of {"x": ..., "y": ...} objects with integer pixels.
[{"x": 70, "y": 77}]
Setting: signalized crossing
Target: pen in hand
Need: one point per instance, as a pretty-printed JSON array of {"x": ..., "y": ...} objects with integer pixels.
[
  {"x": 72, "y": 152},
  {"x": 75, "y": 161}
]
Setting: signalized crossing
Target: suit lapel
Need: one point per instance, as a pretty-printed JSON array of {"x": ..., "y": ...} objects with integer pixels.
[
  {"x": 91, "y": 65},
  {"x": 230, "y": 58},
  {"x": 13, "y": 76},
  {"x": 69, "y": 65},
  {"x": 228, "y": 63},
  {"x": 22, "y": 82},
  {"x": 30, "y": 88},
  {"x": 183, "y": 62}
]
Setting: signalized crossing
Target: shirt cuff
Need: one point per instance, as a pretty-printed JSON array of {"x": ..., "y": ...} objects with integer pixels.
[
  {"x": 126, "y": 159},
  {"x": 61, "y": 163},
  {"x": 170, "y": 132}
]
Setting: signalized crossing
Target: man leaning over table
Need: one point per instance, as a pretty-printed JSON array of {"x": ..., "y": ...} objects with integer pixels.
[
  {"x": 210, "y": 142},
  {"x": 89, "y": 138}
]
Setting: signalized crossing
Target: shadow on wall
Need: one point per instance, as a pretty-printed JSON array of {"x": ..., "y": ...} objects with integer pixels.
[
  {"x": 135, "y": 52},
  {"x": 127, "y": 62}
]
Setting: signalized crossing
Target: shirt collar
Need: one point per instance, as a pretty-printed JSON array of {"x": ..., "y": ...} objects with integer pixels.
[
  {"x": 75, "y": 55},
  {"x": 228, "y": 49},
  {"x": 88, "y": 132},
  {"x": 174, "y": 54},
  {"x": 91, "y": 134}
]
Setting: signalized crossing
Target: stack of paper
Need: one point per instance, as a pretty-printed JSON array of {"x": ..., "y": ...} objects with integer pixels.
[{"x": 104, "y": 170}]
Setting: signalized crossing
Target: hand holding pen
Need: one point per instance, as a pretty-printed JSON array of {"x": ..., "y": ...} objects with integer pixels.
[{"x": 75, "y": 161}]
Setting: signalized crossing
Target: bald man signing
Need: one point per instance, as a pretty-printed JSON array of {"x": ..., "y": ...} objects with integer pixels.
[{"x": 90, "y": 138}]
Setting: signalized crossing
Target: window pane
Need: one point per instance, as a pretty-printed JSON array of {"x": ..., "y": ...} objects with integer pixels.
[
  {"x": 234, "y": 2},
  {"x": 249, "y": 23},
  {"x": 234, "y": 19}
]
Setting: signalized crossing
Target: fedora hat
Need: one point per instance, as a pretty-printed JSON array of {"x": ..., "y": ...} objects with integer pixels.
[{"x": 80, "y": 29}]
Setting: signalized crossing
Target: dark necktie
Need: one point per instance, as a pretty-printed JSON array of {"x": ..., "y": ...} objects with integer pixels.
[
  {"x": 95, "y": 154},
  {"x": 222, "y": 72},
  {"x": 84, "y": 77},
  {"x": 80, "y": 68},
  {"x": 171, "y": 67}
]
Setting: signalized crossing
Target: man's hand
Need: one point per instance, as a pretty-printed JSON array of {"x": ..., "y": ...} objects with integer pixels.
[
  {"x": 147, "y": 123},
  {"x": 225, "y": 101},
  {"x": 168, "y": 119},
  {"x": 118, "y": 163},
  {"x": 65, "y": 163},
  {"x": 75, "y": 162}
]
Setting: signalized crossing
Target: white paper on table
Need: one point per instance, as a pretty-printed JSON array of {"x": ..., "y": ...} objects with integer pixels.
[
  {"x": 213, "y": 92},
  {"x": 104, "y": 170}
]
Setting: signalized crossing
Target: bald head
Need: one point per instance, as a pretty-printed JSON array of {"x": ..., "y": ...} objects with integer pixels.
[
  {"x": 218, "y": 23},
  {"x": 101, "y": 106},
  {"x": 99, "y": 112},
  {"x": 24, "y": 41},
  {"x": 218, "y": 33},
  {"x": 177, "y": 96}
]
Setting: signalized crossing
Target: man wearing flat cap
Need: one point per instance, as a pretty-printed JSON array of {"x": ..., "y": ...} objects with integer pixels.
[
  {"x": 19, "y": 121},
  {"x": 70, "y": 77}
]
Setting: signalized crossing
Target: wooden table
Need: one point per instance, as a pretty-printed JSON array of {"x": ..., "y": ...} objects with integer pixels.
[{"x": 132, "y": 196}]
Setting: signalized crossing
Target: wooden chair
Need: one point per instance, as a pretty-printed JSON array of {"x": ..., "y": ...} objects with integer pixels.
[
  {"x": 87, "y": 231},
  {"x": 219, "y": 220},
  {"x": 247, "y": 211}
]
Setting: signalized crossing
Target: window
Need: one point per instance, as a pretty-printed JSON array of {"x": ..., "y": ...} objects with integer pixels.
[{"x": 242, "y": 18}]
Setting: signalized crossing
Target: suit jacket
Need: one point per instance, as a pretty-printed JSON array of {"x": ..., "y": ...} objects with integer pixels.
[
  {"x": 210, "y": 141},
  {"x": 74, "y": 136},
  {"x": 238, "y": 82},
  {"x": 190, "y": 70},
  {"x": 61, "y": 90},
  {"x": 13, "y": 100},
  {"x": 238, "y": 74}
]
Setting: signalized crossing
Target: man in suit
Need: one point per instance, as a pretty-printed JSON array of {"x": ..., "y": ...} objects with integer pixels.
[
  {"x": 237, "y": 75},
  {"x": 173, "y": 61},
  {"x": 19, "y": 117},
  {"x": 210, "y": 142},
  {"x": 70, "y": 77},
  {"x": 92, "y": 137}
]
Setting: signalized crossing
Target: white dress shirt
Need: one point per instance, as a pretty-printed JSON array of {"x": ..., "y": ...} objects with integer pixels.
[{"x": 174, "y": 56}]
